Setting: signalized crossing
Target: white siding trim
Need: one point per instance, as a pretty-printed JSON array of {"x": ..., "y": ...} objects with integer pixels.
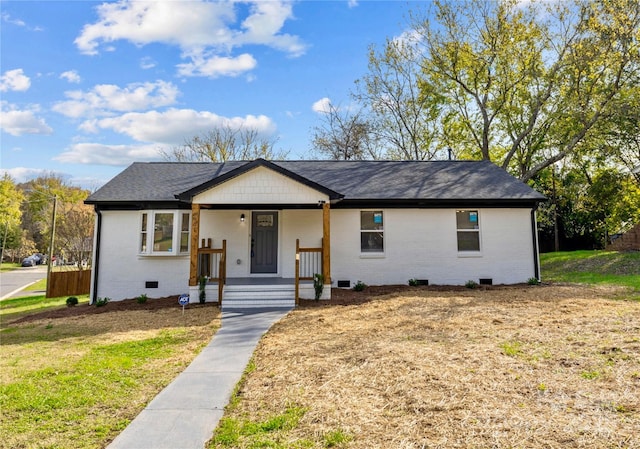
[{"x": 260, "y": 185}]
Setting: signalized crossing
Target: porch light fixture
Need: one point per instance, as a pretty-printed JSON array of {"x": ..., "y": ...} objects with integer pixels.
[{"x": 242, "y": 218}]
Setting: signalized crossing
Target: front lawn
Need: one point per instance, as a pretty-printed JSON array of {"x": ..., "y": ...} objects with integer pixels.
[
  {"x": 593, "y": 267},
  {"x": 77, "y": 381},
  {"x": 502, "y": 367}
]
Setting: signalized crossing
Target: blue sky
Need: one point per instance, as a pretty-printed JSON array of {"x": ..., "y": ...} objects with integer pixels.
[{"x": 89, "y": 87}]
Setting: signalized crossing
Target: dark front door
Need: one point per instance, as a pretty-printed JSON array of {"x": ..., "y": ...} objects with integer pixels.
[{"x": 264, "y": 242}]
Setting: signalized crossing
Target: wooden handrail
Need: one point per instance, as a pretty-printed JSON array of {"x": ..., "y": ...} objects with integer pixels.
[
  {"x": 298, "y": 278},
  {"x": 221, "y": 277},
  {"x": 222, "y": 272}
]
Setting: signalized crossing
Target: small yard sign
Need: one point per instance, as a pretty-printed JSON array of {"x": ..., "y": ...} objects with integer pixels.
[{"x": 183, "y": 300}]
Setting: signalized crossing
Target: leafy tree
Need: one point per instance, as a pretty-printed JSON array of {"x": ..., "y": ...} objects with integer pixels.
[
  {"x": 589, "y": 206},
  {"x": 528, "y": 92},
  {"x": 523, "y": 84},
  {"x": 343, "y": 135},
  {"x": 224, "y": 144},
  {"x": 38, "y": 208},
  {"x": 10, "y": 200}
]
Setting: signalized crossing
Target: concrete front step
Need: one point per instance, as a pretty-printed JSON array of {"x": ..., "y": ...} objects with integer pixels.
[
  {"x": 263, "y": 292},
  {"x": 256, "y": 302},
  {"x": 252, "y": 296}
]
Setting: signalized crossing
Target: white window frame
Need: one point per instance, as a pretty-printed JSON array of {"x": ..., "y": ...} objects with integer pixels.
[
  {"x": 477, "y": 229},
  {"x": 176, "y": 235},
  {"x": 372, "y": 254}
]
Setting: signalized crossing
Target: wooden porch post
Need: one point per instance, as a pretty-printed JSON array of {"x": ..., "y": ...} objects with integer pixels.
[
  {"x": 326, "y": 242},
  {"x": 195, "y": 233}
]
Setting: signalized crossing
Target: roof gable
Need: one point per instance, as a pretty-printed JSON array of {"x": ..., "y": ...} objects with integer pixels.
[
  {"x": 260, "y": 185},
  {"x": 251, "y": 166}
]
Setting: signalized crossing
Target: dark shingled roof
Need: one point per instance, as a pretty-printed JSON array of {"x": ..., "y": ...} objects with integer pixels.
[{"x": 431, "y": 181}]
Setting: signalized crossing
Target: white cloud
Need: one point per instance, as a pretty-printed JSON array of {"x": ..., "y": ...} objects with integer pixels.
[
  {"x": 352, "y": 3},
  {"x": 24, "y": 174},
  {"x": 19, "y": 122},
  {"x": 7, "y": 18},
  {"x": 14, "y": 80},
  {"x": 71, "y": 76},
  {"x": 114, "y": 155},
  {"x": 263, "y": 26},
  {"x": 206, "y": 32},
  {"x": 322, "y": 106},
  {"x": 147, "y": 63},
  {"x": 156, "y": 131},
  {"x": 104, "y": 99},
  {"x": 410, "y": 38},
  {"x": 216, "y": 66},
  {"x": 172, "y": 126}
]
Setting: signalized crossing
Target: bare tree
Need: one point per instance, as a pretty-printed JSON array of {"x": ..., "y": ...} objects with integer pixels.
[
  {"x": 224, "y": 144},
  {"x": 343, "y": 135},
  {"x": 403, "y": 108},
  {"x": 74, "y": 231}
]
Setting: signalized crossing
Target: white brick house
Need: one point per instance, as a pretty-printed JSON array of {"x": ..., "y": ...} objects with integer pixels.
[{"x": 264, "y": 229}]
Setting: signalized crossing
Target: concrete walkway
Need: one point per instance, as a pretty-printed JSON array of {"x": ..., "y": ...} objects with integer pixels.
[{"x": 185, "y": 414}]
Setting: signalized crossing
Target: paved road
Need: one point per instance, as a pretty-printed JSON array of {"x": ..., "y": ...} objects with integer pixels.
[{"x": 11, "y": 282}]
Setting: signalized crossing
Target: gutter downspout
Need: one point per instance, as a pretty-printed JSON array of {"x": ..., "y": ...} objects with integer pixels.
[
  {"x": 96, "y": 256},
  {"x": 536, "y": 250}
]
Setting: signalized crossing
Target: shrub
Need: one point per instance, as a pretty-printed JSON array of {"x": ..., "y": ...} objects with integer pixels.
[
  {"x": 359, "y": 286},
  {"x": 142, "y": 298},
  {"x": 318, "y": 284},
  {"x": 102, "y": 301},
  {"x": 72, "y": 301},
  {"x": 533, "y": 281},
  {"x": 202, "y": 293},
  {"x": 471, "y": 284},
  {"x": 413, "y": 282}
]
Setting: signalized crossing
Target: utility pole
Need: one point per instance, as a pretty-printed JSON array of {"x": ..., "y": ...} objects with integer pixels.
[{"x": 53, "y": 233}]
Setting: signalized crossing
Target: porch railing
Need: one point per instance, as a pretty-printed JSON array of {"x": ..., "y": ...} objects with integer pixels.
[
  {"x": 212, "y": 263},
  {"x": 308, "y": 263}
]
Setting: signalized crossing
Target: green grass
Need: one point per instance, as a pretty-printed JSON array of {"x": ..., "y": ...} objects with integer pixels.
[
  {"x": 39, "y": 285},
  {"x": 56, "y": 398},
  {"x": 14, "y": 308},
  {"x": 266, "y": 433},
  {"x": 9, "y": 266},
  {"x": 593, "y": 267},
  {"x": 78, "y": 382},
  {"x": 511, "y": 348}
]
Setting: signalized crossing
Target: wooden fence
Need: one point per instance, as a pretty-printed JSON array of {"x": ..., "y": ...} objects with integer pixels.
[{"x": 68, "y": 283}]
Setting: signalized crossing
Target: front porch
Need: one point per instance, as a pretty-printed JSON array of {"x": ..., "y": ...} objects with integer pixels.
[
  {"x": 223, "y": 273},
  {"x": 258, "y": 222}
]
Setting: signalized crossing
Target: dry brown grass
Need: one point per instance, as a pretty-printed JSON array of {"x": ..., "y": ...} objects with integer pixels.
[{"x": 543, "y": 367}]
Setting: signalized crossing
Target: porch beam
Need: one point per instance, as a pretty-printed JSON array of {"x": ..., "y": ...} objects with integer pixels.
[
  {"x": 326, "y": 242},
  {"x": 195, "y": 234}
]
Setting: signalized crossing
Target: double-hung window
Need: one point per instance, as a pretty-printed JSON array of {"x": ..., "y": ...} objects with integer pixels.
[
  {"x": 165, "y": 233},
  {"x": 468, "y": 227},
  {"x": 371, "y": 231}
]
